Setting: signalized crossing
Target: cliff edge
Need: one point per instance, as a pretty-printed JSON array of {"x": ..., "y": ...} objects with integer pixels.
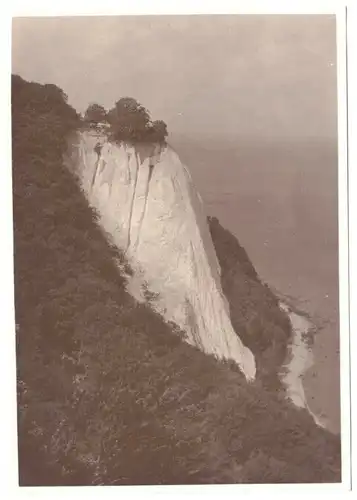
[{"x": 151, "y": 210}]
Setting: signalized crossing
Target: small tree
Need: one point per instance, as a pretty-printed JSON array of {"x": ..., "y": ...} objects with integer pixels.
[
  {"x": 129, "y": 120},
  {"x": 158, "y": 131},
  {"x": 95, "y": 114}
]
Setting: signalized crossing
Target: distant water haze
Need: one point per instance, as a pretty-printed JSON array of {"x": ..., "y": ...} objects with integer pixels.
[{"x": 280, "y": 199}]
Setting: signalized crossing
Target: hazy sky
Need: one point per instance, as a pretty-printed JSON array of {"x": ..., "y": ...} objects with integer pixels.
[{"x": 237, "y": 75}]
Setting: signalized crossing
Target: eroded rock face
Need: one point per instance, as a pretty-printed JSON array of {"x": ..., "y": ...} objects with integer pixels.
[{"x": 150, "y": 208}]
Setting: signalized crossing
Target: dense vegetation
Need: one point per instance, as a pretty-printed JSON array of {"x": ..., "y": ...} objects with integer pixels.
[
  {"x": 107, "y": 391},
  {"x": 128, "y": 121},
  {"x": 254, "y": 309}
]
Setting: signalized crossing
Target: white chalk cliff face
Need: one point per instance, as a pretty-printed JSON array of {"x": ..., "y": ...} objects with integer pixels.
[{"x": 150, "y": 208}]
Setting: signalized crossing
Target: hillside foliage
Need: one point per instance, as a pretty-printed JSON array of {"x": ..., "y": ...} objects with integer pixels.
[
  {"x": 108, "y": 393},
  {"x": 254, "y": 309}
]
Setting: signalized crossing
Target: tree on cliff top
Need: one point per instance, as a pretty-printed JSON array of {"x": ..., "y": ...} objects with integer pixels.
[
  {"x": 95, "y": 114},
  {"x": 130, "y": 121}
]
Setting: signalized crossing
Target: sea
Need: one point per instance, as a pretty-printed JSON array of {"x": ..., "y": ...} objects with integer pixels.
[{"x": 279, "y": 197}]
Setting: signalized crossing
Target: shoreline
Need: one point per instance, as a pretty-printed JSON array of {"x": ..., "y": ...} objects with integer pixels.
[{"x": 299, "y": 360}]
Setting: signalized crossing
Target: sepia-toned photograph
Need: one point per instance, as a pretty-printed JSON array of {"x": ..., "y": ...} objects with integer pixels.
[{"x": 176, "y": 249}]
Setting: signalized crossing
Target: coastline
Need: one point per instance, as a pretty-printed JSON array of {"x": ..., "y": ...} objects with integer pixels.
[{"x": 299, "y": 360}]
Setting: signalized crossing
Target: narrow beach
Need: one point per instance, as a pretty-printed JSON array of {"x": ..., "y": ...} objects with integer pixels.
[{"x": 299, "y": 360}]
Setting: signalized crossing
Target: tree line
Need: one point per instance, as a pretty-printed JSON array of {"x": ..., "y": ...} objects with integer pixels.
[{"x": 128, "y": 120}]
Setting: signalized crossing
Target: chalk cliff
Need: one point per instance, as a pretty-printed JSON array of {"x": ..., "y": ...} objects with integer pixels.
[{"x": 150, "y": 209}]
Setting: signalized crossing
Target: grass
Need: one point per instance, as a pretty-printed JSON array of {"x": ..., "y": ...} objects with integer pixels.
[{"x": 108, "y": 393}]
